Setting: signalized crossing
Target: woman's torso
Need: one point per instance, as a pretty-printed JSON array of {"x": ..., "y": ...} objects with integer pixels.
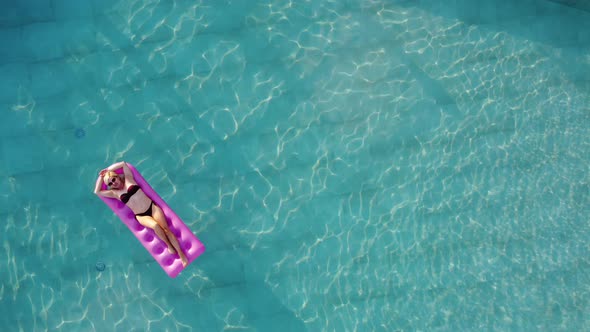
[{"x": 138, "y": 202}]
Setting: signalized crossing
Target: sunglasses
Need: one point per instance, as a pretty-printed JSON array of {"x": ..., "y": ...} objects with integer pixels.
[{"x": 112, "y": 181}]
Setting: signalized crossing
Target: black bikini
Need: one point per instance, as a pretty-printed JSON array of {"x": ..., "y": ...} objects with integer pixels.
[
  {"x": 148, "y": 212},
  {"x": 126, "y": 196}
]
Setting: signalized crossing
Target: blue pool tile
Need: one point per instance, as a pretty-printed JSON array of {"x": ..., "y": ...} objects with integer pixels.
[
  {"x": 14, "y": 83},
  {"x": 230, "y": 273},
  {"x": 43, "y": 41},
  {"x": 7, "y": 189},
  {"x": 220, "y": 21},
  {"x": 17, "y": 120},
  {"x": 11, "y": 45},
  {"x": 22, "y": 154},
  {"x": 19, "y": 13},
  {"x": 50, "y": 78},
  {"x": 35, "y": 10},
  {"x": 9, "y": 15},
  {"x": 103, "y": 7},
  {"x": 111, "y": 33},
  {"x": 66, "y": 9},
  {"x": 263, "y": 302},
  {"x": 284, "y": 321},
  {"x": 79, "y": 36}
]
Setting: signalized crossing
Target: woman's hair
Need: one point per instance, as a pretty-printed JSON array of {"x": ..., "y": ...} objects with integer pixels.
[{"x": 108, "y": 175}]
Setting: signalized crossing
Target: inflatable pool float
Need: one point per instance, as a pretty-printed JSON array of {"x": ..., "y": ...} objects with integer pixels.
[{"x": 190, "y": 244}]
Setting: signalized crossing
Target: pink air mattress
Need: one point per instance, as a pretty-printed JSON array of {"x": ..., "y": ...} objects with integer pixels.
[{"x": 189, "y": 243}]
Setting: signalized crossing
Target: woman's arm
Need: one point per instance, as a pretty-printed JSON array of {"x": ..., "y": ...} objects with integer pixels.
[
  {"x": 116, "y": 166},
  {"x": 126, "y": 171},
  {"x": 98, "y": 185},
  {"x": 128, "y": 174}
]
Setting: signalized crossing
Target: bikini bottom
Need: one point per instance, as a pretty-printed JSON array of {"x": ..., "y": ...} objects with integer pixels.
[{"x": 148, "y": 212}]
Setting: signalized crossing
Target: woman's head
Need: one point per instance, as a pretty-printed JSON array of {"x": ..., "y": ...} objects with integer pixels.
[{"x": 113, "y": 180}]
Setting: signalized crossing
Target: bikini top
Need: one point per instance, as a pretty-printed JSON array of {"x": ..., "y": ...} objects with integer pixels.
[{"x": 132, "y": 190}]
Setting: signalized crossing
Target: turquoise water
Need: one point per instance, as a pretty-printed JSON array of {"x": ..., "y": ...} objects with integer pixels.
[{"x": 350, "y": 165}]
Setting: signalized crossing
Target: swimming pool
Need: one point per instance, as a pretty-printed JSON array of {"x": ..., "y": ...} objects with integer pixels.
[{"x": 350, "y": 165}]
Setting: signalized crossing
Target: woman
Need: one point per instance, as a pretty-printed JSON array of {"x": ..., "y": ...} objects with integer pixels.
[{"x": 147, "y": 212}]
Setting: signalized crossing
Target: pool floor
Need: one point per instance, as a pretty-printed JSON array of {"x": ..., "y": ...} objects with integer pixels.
[{"x": 350, "y": 165}]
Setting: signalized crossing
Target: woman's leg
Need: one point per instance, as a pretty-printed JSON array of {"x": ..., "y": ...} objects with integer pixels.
[
  {"x": 160, "y": 218},
  {"x": 149, "y": 222}
]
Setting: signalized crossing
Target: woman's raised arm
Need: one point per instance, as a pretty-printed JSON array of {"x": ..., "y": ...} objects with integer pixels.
[
  {"x": 126, "y": 170},
  {"x": 128, "y": 174},
  {"x": 98, "y": 184},
  {"x": 116, "y": 166}
]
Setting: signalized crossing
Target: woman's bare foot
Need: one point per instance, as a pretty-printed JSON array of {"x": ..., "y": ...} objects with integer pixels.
[
  {"x": 171, "y": 250},
  {"x": 183, "y": 260}
]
